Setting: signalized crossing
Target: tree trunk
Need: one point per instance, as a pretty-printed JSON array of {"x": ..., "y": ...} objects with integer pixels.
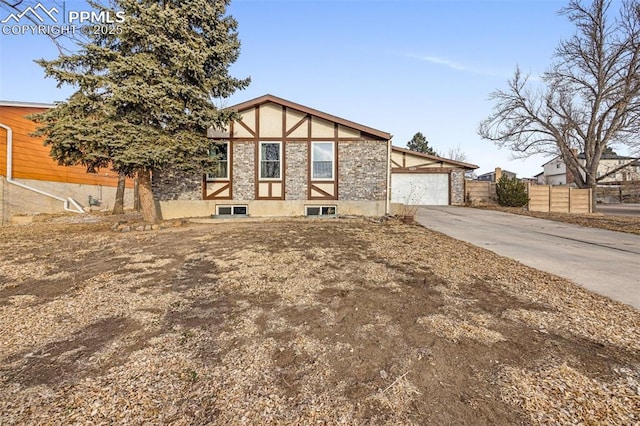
[
  {"x": 147, "y": 203},
  {"x": 118, "y": 206},
  {"x": 592, "y": 184}
]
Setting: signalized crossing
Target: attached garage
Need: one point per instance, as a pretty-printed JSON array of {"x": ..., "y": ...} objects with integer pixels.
[
  {"x": 423, "y": 179},
  {"x": 428, "y": 189}
]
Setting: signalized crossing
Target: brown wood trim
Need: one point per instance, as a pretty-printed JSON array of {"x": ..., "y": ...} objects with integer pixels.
[
  {"x": 450, "y": 189},
  {"x": 221, "y": 189},
  {"x": 283, "y": 165},
  {"x": 397, "y": 164},
  {"x": 257, "y": 133},
  {"x": 230, "y": 165},
  {"x": 377, "y": 134},
  {"x": 296, "y": 139},
  {"x": 429, "y": 164},
  {"x": 298, "y": 124},
  {"x": 312, "y": 183},
  {"x": 309, "y": 166},
  {"x": 284, "y": 122},
  {"x": 270, "y": 191},
  {"x": 424, "y": 170},
  {"x": 335, "y": 130},
  {"x": 248, "y": 129},
  {"x": 336, "y": 179},
  {"x": 326, "y": 196},
  {"x": 229, "y": 181},
  {"x": 256, "y": 179},
  {"x": 460, "y": 164},
  {"x": 283, "y": 153}
]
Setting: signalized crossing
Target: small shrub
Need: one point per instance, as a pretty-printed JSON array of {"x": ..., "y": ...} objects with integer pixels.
[{"x": 511, "y": 192}]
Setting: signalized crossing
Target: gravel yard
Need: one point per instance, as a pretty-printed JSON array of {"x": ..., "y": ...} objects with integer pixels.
[{"x": 300, "y": 321}]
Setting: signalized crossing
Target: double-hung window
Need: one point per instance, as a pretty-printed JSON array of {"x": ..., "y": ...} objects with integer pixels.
[
  {"x": 270, "y": 160},
  {"x": 221, "y": 169},
  {"x": 322, "y": 161}
]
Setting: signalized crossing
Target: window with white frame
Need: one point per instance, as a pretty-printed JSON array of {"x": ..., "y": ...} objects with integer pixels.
[
  {"x": 322, "y": 160},
  {"x": 220, "y": 170},
  {"x": 270, "y": 160}
]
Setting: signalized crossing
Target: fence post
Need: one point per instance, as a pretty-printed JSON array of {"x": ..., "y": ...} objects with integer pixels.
[{"x": 570, "y": 188}]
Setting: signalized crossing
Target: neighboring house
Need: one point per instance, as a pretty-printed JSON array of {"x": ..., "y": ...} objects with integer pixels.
[
  {"x": 615, "y": 168},
  {"x": 284, "y": 159},
  {"x": 423, "y": 179},
  {"x": 555, "y": 172},
  {"x": 495, "y": 175},
  {"x": 530, "y": 181},
  {"x": 32, "y": 182}
]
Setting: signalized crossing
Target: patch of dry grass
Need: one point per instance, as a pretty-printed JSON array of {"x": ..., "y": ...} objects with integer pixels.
[{"x": 341, "y": 321}]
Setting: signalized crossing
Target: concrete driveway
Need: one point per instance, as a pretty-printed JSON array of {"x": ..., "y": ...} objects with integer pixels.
[{"x": 605, "y": 262}]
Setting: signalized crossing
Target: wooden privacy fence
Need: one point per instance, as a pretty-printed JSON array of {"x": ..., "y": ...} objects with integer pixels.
[
  {"x": 542, "y": 198},
  {"x": 479, "y": 191},
  {"x": 559, "y": 199}
]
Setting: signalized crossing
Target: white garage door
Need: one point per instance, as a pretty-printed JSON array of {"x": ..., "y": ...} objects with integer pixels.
[{"x": 427, "y": 189}]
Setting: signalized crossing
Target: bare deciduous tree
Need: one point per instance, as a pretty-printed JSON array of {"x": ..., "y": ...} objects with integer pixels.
[
  {"x": 588, "y": 99},
  {"x": 456, "y": 154}
]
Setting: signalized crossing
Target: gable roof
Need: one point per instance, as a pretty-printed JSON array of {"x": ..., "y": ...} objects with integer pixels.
[
  {"x": 608, "y": 156},
  {"x": 552, "y": 160},
  {"x": 434, "y": 157},
  {"x": 274, "y": 99}
]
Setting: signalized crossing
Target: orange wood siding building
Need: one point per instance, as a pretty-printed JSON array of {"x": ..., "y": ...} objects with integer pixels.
[{"x": 31, "y": 158}]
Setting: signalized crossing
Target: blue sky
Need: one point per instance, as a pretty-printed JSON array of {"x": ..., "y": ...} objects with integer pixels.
[{"x": 401, "y": 66}]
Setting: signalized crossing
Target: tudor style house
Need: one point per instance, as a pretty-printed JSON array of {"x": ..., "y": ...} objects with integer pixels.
[{"x": 284, "y": 159}]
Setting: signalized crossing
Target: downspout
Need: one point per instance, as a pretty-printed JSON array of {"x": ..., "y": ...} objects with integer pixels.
[
  {"x": 70, "y": 204},
  {"x": 388, "y": 198}
]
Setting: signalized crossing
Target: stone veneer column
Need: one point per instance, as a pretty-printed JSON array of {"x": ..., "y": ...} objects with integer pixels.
[
  {"x": 296, "y": 174},
  {"x": 457, "y": 186},
  {"x": 362, "y": 170},
  {"x": 244, "y": 172}
]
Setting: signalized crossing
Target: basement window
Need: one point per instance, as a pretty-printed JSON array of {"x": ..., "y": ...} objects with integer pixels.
[
  {"x": 231, "y": 211},
  {"x": 320, "y": 210}
]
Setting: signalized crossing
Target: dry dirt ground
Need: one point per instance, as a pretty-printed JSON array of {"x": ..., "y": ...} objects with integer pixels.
[{"x": 298, "y": 322}]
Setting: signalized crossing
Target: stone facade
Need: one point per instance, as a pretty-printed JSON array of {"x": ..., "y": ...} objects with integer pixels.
[
  {"x": 296, "y": 157},
  {"x": 457, "y": 186},
  {"x": 244, "y": 170},
  {"x": 171, "y": 184},
  {"x": 362, "y": 170}
]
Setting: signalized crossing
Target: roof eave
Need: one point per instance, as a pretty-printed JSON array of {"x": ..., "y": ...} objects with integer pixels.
[
  {"x": 19, "y": 104},
  {"x": 435, "y": 157}
]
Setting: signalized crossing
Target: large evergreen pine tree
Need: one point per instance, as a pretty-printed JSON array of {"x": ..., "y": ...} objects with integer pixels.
[{"x": 145, "y": 93}]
